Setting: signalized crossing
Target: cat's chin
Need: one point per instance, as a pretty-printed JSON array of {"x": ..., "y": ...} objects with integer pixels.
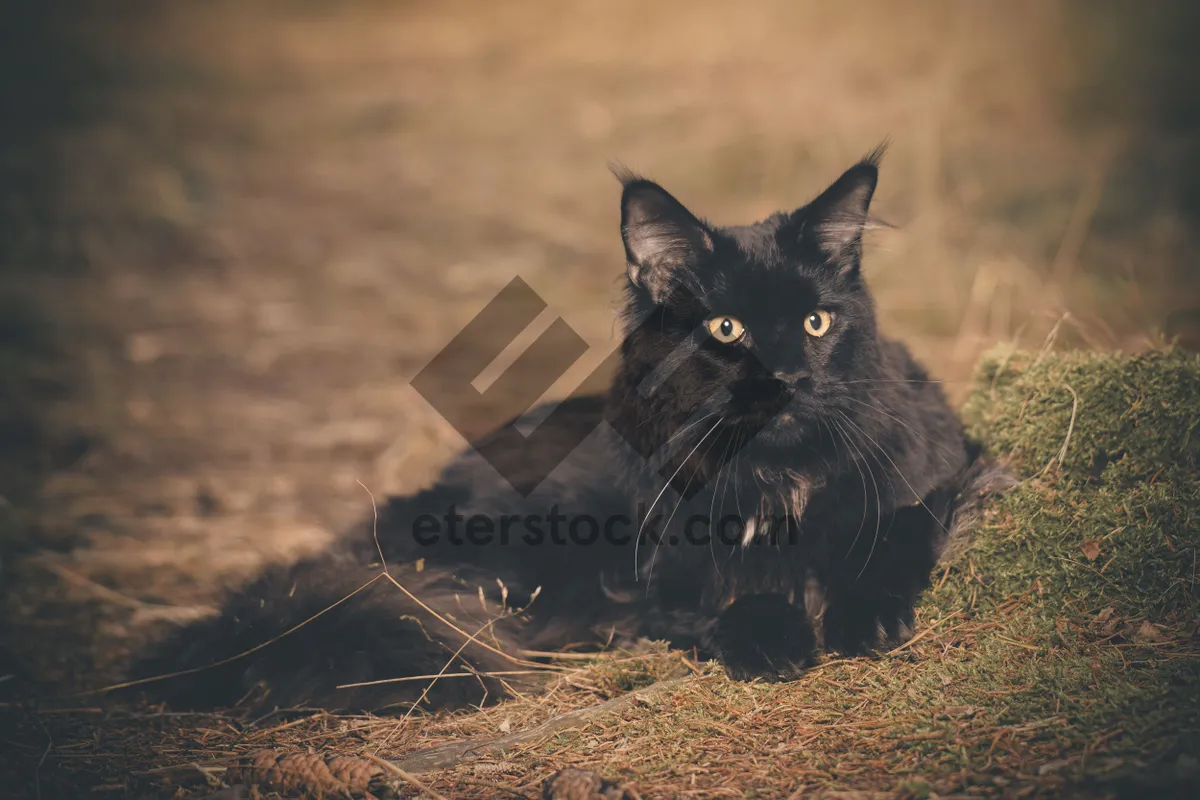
[{"x": 787, "y": 428}]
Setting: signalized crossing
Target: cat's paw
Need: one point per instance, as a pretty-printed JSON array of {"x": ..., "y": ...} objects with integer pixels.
[
  {"x": 764, "y": 636},
  {"x": 859, "y": 627}
]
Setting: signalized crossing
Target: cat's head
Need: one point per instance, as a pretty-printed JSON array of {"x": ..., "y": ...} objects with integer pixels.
[{"x": 769, "y": 326}]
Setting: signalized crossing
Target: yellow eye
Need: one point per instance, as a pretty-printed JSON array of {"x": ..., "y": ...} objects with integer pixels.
[
  {"x": 817, "y": 323},
  {"x": 727, "y": 330}
]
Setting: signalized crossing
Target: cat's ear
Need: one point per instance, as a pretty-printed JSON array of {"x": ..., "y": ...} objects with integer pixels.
[
  {"x": 838, "y": 217},
  {"x": 663, "y": 240}
]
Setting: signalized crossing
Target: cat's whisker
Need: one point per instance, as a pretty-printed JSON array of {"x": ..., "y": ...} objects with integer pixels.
[
  {"x": 732, "y": 474},
  {"x": 649, "y": 463},
  {"x": 722, "y": 465},
  {"x": 688, "y": 427},
  {"x": 637, "y": 542},
  {"x": 680, "y": 502},
  {"x": 653, "y": 417},
  {"x": 878, "y": 504},
  {"x": 907, "y": 425},
  {"x": 737, "y": 486},
  {"x": 834, "y": 435},
  {"x": 836, "y": 452},
  {"x": 712, "y": 401},
  {"x": 917, "y": 494},
  {"x": 862, "y": 523},
  {"x": 920, "y": 499}
]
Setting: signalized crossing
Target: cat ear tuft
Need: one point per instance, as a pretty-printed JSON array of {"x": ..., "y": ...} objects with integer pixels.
[
  {"x": 839, "y": 216},
  {"x": 662, "y": 238}
]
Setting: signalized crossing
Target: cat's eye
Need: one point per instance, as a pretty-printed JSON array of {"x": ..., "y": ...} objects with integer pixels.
[
  {"x": 727, "y": 330},
  {"x": 817, "y": 323}
]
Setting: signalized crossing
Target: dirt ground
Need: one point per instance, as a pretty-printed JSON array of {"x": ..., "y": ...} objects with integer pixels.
[{"x": 233, "y": 231}]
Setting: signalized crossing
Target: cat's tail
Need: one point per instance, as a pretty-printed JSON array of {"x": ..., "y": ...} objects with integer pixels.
[{"x": 331, "y": 633}]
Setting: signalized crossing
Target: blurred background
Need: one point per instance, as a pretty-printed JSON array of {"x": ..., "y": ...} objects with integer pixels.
[{"x": 231, "y": 231}]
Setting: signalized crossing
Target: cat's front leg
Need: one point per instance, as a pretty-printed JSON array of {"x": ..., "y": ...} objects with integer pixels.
[
  {"x": 861, "y": 621},
  {"x": 871, "y": 594},
  {"x": 764, "y": 636}
]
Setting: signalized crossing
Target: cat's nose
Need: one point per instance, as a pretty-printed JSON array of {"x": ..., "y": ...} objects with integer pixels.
[{"x": 793, "y": 377}]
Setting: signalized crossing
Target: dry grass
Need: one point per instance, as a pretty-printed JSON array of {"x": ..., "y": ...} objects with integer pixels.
[{"x": 262, "y": 219}]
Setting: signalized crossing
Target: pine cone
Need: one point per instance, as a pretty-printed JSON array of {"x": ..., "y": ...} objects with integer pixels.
[
  {"x": 310, "y": 775},
  {"x": 581, "y": 784}
]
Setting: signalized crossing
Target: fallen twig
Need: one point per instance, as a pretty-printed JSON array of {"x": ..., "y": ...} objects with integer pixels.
[
  {"x": 404, "y": 776},
  {"x": 452, "y": 753}
]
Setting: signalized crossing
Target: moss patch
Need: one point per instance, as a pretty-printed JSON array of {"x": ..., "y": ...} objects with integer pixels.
[
  {"x": 1109, "y": 513},
  {"x": 1086, "y": 573}
]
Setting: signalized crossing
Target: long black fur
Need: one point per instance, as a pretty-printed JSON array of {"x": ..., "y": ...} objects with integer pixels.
[{"x": 828, "y": 472}]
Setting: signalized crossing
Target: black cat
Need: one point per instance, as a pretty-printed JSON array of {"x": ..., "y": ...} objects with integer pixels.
[{"x": 766, "y": 477}]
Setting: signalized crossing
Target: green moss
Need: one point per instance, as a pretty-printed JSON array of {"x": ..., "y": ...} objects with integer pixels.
[
  {"x": 1108, "y": 513},
  {"x": 1134, "y": 415},
  {"x": 1084, "y": 576}
]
